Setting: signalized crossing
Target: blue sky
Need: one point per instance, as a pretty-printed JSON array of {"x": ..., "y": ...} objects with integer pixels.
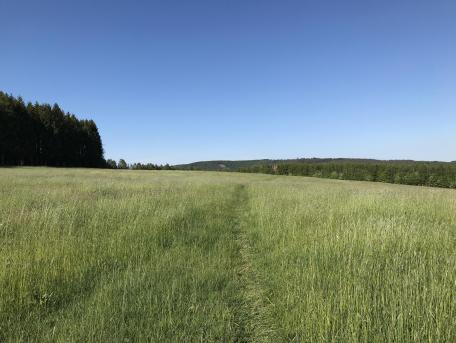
[{"x": 181, "y": 81}]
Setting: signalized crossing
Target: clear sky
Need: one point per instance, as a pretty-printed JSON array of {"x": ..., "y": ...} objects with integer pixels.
[{"x": 181, "y": 81}]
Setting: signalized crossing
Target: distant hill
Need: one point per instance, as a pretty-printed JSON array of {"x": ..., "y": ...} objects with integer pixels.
[
  {"x": 226, "y": 165},
  {"x": 409, "y": 172}
]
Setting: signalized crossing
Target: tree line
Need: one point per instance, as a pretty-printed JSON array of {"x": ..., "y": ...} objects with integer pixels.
[
  {"x": 435, "y": 174},
  {"x": 122, "y": 164},
  {"x": 44, "y": 135}
]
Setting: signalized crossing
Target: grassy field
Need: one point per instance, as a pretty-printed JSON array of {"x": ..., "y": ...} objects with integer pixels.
[{"x": 133, "y": 256}]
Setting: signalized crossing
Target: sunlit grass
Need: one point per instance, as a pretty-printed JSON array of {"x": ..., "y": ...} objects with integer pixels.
[
  {"x": 356, "y": 261},
  {"x": 99, "y": 255}
]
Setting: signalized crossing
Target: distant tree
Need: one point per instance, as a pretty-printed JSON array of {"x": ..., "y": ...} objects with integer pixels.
[
  {"x": 122, "y": 164},
  {"x": 111, "y": 164}
]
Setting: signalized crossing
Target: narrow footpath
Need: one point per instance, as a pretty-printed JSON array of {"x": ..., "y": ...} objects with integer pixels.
[{"x": 251, "y": 312}]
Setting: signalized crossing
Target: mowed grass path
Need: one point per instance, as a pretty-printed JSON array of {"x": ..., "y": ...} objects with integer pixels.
[{"x": 133, "y": 256}]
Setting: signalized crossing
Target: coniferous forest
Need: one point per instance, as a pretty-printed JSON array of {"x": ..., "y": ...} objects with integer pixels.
[
  {"x": 44, "y": 135},
  {"x": 418, "y": 173}
]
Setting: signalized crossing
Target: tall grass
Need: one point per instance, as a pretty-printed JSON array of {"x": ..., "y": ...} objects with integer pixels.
[
  {"x": 356, "y": 261},
  {"x": 98, "y": 255},
  {"x": 114, "y": 256}
]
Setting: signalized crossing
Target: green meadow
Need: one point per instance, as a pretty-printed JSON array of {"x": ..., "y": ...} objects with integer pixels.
[{"x": 90, "y": 255}]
